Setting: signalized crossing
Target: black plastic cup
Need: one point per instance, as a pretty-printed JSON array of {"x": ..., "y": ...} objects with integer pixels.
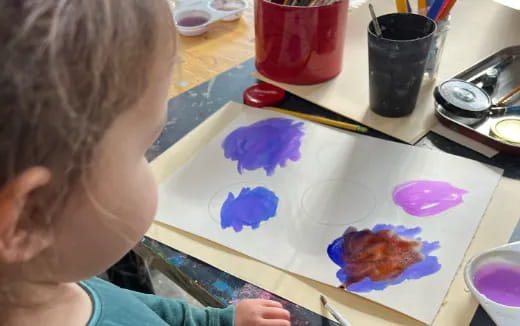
[{"x": 397, "y": 61}]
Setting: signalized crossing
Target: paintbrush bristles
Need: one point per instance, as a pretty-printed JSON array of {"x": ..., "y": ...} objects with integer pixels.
[
  {"x": 323, "y": 300},
  {"x": 341, "y": 320}
]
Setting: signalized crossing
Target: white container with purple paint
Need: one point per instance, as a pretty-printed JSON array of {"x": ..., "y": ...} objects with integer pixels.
[
  {"x": 494, "y": 279},
  {"x": 193, "y": 17}
]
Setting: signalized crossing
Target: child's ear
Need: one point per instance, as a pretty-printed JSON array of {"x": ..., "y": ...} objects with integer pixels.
[{"x": 20, "y": 239}]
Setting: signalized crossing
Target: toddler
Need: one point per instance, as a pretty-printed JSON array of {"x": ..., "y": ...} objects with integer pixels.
[{"x": 83, "y": 92}]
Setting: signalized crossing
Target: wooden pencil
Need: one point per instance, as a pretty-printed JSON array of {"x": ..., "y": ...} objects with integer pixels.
[
  {"x": 325, "y": 121},
  {"x": 401, "y": 6},
  {"x": 423, "y": 7}
]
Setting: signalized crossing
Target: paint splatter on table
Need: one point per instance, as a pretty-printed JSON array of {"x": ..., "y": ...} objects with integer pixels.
[{"x": 228, "y": 289}]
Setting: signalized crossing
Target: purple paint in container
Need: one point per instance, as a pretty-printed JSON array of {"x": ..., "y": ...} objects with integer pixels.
[
  {"x": 192, "y": 22},
  {"x": 499, "y": 282},
  {"x": 493, "y": 277}
]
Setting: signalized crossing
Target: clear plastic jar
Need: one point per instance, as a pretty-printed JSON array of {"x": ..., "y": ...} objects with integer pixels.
[{"x": 434, "y": 57}]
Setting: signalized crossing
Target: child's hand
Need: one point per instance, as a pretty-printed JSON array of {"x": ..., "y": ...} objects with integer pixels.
[{"x": 258, "y": 312}]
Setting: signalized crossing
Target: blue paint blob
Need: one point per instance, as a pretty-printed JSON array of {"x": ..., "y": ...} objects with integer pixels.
[
  {"x": 264, "y": 144},
  {"x": 178, "y": 260},
  {"x": 223, "y": 287},
  {"x": 249, "y": 208},
  {"x": 428, "y": 266}
]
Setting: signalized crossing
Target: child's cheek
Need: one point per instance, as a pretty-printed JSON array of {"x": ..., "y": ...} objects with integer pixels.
[{"x": 142, "y": 203}]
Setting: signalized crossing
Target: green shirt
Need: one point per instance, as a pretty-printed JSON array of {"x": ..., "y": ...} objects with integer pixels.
[{"x": 114, "y": 306}]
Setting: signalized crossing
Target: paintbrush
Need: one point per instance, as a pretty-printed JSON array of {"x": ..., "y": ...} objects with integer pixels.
[
  {"x": 377, "y": 27},
  {"x": 504, "y": 99},
  {"x": 333, "y": 312}
]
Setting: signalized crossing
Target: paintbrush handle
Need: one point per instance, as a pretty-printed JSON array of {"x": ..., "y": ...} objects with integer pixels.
[
  {"x": 337, "y": 316},
  {"x": 508, "y": 96},
  {"x": 325, "y": 121},
  {"x": 375, "y": 22},
  {"x": 513, "y": 109}
]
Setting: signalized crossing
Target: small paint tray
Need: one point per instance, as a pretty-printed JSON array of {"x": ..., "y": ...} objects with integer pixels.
[
  {"x": 507, "y": 62},
  {"x": 192, "y": 18}
]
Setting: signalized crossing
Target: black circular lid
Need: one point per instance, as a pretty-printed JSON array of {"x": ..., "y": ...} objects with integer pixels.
[{"x": 463, "y": 98}]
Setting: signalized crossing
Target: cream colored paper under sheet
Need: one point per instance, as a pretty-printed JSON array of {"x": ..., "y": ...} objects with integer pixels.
[
  {"x": 458, "y": 306},
  {"x": 341, "y": 180},
  {"x": 478, "y": 29},
  {"x": 463, "y": 140}
]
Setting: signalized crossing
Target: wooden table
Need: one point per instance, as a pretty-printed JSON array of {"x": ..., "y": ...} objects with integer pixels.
[{"x": 225, "y": 45}]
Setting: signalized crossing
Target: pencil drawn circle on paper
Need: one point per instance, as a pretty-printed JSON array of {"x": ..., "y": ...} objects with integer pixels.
[
  {"x": 242, "y": 205},
  {"x": 338, "y": 157},
  {"x": 338, "y": 202}
]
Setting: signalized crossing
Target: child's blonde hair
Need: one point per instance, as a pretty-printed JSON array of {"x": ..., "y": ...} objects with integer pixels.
[{"x": 68, "y": 68}]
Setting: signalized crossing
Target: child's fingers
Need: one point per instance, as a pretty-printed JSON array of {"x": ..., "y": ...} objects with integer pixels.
[
  {"x": 270, "y": 303},
  {"x": 275, "y": 322},
  {"x": 276, "y": 313}
]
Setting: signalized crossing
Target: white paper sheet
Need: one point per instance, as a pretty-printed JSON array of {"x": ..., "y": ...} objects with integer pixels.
[
  {"x": 341, "y": 180},
  {"x": 515, "y": 4}
]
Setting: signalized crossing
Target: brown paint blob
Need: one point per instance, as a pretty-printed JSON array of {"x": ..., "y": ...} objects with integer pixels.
[{"x": 380, "y": 255}]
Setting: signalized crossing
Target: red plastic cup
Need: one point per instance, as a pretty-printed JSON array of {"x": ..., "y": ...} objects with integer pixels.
[{"x": 300, "y": 45}]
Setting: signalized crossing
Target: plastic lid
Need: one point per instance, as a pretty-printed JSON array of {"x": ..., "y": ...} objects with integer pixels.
[
  {"x": 263, "y": 94},
  {"x": 508, "y": 130},
  {"x": 464, "y": 96}
]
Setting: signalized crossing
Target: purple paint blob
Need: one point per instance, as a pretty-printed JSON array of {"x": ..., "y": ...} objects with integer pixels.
[
  {"x": 249, "y": 208},
  {"x": 264, "y": 144},
  {"x": 428, "y": 266},
  {"x": 425, "y": 198},
  {"x": 499, "y": 282}
]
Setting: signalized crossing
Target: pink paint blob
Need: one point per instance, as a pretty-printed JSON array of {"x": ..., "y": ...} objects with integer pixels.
[
  {"x": 249, "y": 291},
  {"x": 425, "y": 198},
  {"x": 499, "y": 282}
]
